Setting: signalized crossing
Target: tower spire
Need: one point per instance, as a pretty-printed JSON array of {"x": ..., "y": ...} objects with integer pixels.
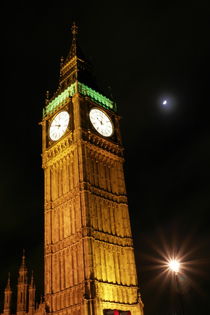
[
  {"x": 23, "y": 263},
  {"x": 74, "y": 29},
  {"x": 8, "y": 282},
  {"x": 7, "y": 297},
  {"x": 22, "y": 286},
  {"x": 32, "y": 279},
  {"x": 76, "y": 66},
  {"x": 74, "y": 46},
  {"x": 31, "y": 293}
]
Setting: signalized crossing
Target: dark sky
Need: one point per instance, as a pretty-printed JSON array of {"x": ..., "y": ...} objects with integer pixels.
[{"x": 145, "y": 53}]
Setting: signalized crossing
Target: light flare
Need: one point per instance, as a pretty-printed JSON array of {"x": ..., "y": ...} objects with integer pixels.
[{"x": 174, "y": 265}]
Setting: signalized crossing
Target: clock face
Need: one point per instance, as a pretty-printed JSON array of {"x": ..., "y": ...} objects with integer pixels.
[
  {"x": 59, "y": 125},
  {"x": 101, "y": 122}
]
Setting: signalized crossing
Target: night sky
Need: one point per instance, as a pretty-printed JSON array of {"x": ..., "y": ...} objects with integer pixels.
[{"x": 141, "y": 55}]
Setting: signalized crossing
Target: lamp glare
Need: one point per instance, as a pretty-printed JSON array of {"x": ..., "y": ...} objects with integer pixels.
[{"x": 174, "y": 265}]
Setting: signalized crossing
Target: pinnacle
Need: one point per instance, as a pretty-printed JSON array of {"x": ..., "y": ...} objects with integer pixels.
[
  {"x": 74, "y": 29},
  {"x": 8, "y": 282},
  {"x": 75, "y": 49},
  {"x": 32, "y": 280},
  {"x": 23, "y": 263}
]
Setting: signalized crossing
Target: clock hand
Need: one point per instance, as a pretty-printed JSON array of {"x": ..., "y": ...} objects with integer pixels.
[{"x": 100, "y": 121}]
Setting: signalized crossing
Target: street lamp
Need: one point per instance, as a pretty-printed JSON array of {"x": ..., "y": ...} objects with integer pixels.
[{"x": 174, "y": 266}]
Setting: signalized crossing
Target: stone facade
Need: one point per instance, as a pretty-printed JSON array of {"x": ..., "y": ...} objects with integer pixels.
[
  {"x": 88, "y": 250},
  {"x": 89, "y": 256}
]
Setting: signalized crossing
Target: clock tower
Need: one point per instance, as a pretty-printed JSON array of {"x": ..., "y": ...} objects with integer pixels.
[{"x": 89, "y": 257}]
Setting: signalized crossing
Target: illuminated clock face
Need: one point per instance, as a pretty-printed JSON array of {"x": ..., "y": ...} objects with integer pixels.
[
  {"x": 101, "y": 122},
  {"x": 59, "y": 125}
]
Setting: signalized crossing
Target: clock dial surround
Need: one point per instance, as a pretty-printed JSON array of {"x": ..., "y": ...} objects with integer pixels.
[
  {"x": 101, "y": 122},
  {"x": 59, "y": 125}
]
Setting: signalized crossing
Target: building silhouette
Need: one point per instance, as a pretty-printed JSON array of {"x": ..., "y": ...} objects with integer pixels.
[{"x": 24, "y": 297}]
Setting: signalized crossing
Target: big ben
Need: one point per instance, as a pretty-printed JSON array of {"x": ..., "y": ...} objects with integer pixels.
[{"x": 88, "y": 252}]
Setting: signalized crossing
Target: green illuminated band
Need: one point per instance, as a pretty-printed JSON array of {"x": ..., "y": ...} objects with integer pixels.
[
  {"x": 95, "y": 96},
  {"x": 82, "y": 89}
]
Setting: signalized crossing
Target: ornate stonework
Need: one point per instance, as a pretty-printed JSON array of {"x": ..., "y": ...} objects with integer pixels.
[
  {"x": 88, "y": 248},
  {"x": 89, "y": 257}
]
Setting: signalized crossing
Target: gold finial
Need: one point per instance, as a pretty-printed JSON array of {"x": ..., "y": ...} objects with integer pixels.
[{"x": 74, "y": 29}]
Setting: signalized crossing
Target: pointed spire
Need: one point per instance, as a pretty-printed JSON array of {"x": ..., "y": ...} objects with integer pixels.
[
  {"x": 7, "y": 297},
  {"x": 23, "y": 270},
  {"x": 32, "y": 279},
  {"x": 23, "y": 263},
  {"x": 22, "y": 286},
  {"x": 74, "y": 29},
  {"x": 8, "y": 287},
  {"x": 75, "y": 67},
  {"x": 73, "y": 50},
  {"x": 31, "y": 296}
]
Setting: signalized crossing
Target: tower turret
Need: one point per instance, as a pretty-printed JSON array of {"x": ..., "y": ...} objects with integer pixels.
[
  {"x": 31, "y": 298},
  {"x": 75, "y": 67},
  {"x": 7, "y": 298},
  {"x": 22, "y": 287}
]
